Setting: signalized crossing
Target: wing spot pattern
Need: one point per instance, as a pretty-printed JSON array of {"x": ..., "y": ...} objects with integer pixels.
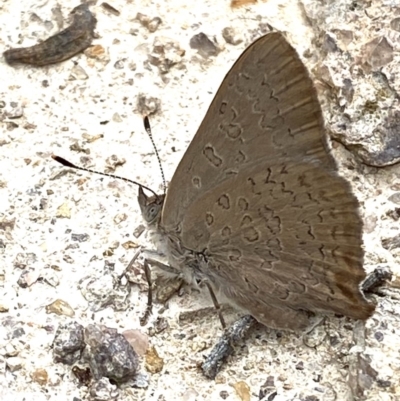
[
  {"x": 209, "y": 219},
  {"x": 234, "y": 255},
  {"x": 246, "y": 220},
  {"x": 250, "y": 234},
  {"x": 272, "y": 222},
  {"x": 211, "y": 156},
  {"x": 231, "y": 130},
  {"x": 224, "y": 202},
  {"x": 243, "y": 204},
  {"x": 226, "y": 231},
  {"x": 196, "y": 182}
]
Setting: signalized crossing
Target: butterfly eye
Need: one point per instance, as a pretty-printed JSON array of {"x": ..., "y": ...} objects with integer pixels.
[{"x": 152, "y": 213}]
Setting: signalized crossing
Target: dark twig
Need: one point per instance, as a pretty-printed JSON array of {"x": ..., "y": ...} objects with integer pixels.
[
  {"x": 376, "y": 279},
  {"x": 226, "y": 345}
]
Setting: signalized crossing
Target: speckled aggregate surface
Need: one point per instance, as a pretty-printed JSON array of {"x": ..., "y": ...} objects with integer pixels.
[{"x": 63, "y": 108}]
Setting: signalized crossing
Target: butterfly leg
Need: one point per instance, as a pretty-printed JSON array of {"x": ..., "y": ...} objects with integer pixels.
[
  {"x": 165, "y": 268},
  {"x": 147, "y": 271},
  {"x": 217, "y": 305},
  {"x": 149, "y": 308}
]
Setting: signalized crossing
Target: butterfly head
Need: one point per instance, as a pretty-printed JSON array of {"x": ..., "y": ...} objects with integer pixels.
[{"x": 150, "y": 206}]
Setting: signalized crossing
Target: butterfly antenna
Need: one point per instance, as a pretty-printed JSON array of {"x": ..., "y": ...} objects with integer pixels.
[
  {"x": 66, "y": 163},
  {"x": 149, "y": 133}
]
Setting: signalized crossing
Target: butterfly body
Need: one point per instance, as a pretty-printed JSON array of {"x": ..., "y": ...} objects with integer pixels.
[{"x": 256, "y": 207}]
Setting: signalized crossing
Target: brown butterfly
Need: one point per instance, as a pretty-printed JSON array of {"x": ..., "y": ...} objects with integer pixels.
[{"x": 256, "y": 207}]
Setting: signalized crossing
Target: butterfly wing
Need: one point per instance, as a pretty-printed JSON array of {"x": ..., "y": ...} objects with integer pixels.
[{"x": 258, "y": 190}]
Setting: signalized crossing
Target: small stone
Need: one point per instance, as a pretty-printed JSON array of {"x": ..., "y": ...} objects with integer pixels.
[
  {"x": 370, "y": 223},
  {"x": 190, "y": 395},
  {"x": 160, "y": 325},
  {"x": 147, "y": 105},
  {"x": 113, "y": 162},
  {"x": 78, "y": 73},
  {"x": 205, "y": 47},
  {"x": 76, "y": 147},
  {"x": 15, "y": 111},
  {"x": 139, "y": 230},
  {"x": 119, "y": 64},
  {"x": 119, "y": 218},
  {"x": 395, "y": 24},
  {"x": 92, "y": 138},
  {"x": 153, "y": 363},
  {"x": 18, "y": 332},
  {"x": 166, "y": 289},
  {"x": 80, "y": 237},
  {"x": 40, "y": 376},
  {"x": 110, "y": 289},
  {"x": 329, "y": 44},
  {"x": 28, "y": 277},
  {"x": 7, "y": 224},
  {"x": 240, "y": 3},
  {"x": 138, "y": 340},
  {"x": 151, "y": 24},
  {"x": 51, "y": 278},
  {"x": 141, "y": 380},
  {"x": 14, "y": 363},
  {"x": 68, "y": 343},
  {"x": 98, "y": 53},
  {"x": 391, "y": 243},
  {"x": 142, "y": 18},
  {"x": 103, "y": 390},
  {"x": 64, "y": 211},
  {"x": 10, "y": 350},
  {"x": 231, "y": 36},
  {"x": 84, "y": 375},
  {"x": 108, "y": 252},
  {"x": 109, "y": 354},
  {"x": 394, "y": 214},
  {"x": 242, "y": 390},
  {"x": 224, "y": 394},
  {"x": 165, "y": 54},
  {"x": 68, "y": 259},
  {"x": 383, "y": 383},
  {"x": 110, "y": 9},
  {"x": 267, "y": 389},
  {"x": 347, "y": 90},
  {"x": 23, "y": 260},
  {"x": 344, "y": 38},
  {"x": 130, "y": 245},
  {"x": 117, "y": 118},
  {"x": 395, "y": 198},
  {"x": 60, "y": 307},
  {"x": 378, "y": 52}
]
